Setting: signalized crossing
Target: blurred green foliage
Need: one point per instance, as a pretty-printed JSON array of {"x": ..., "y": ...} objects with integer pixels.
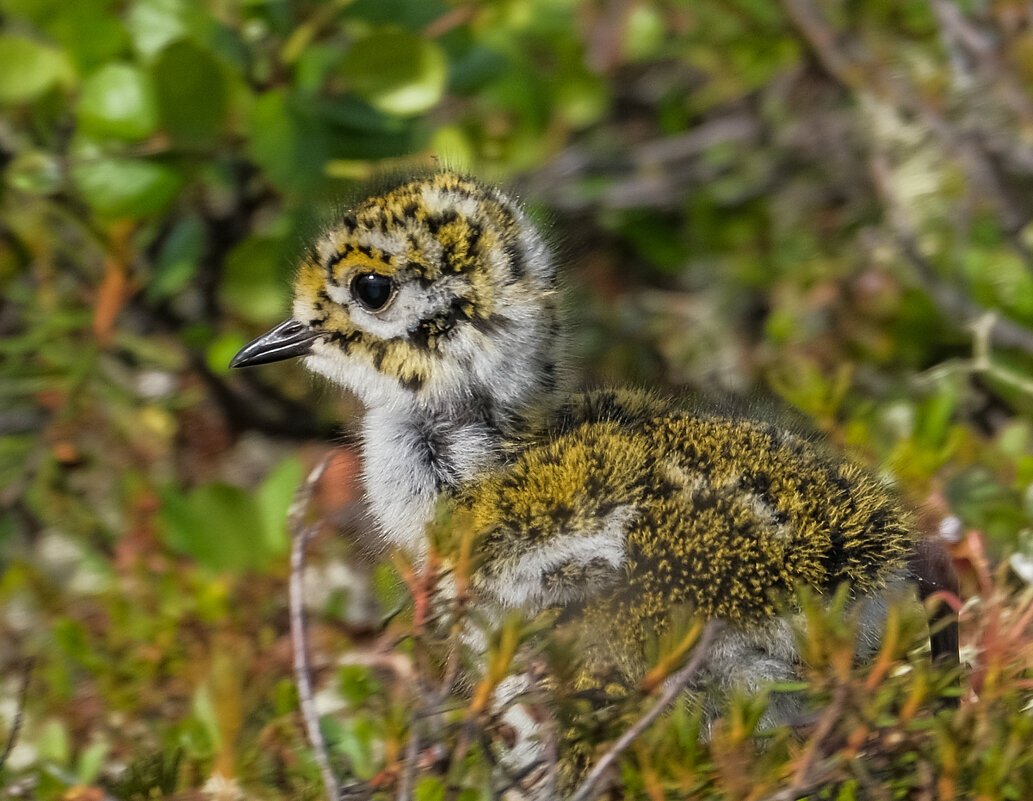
[{"x": 801, "y": 200}]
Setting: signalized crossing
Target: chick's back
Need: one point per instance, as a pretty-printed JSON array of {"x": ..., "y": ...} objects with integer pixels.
[{"x": 629, "y": 509}]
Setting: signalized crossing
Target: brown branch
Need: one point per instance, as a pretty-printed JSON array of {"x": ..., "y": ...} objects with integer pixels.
[
  {"x": 300, "y": 535},
  {"x": 816, "y": 743},
  {"x": 812, "y": 774},
  {"x": 19, "y": 711},
  {"x": 983, "y": 51},
  {"x": 412, "y": 751},
  {"x": 823, "y": 41},
  {"x": 819, "y": 777},
  {"x": 952, "y": 303},
  {"x": 677, "y": 684},
  {"x": 862, "y": 76}
]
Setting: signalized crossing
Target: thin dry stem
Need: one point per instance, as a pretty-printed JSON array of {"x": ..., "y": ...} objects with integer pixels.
[
  {"x": 677, "y": 684},
  {"x": 19, "y": 712},
  {"x": 412, "y": 750},
  {"x": 805, "y": 770},
  {"x": 952, "y": 303},
  {"x": 300, "y": 535}
]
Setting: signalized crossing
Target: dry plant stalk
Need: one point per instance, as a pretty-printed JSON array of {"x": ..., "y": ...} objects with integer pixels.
[
  {"x": 19, "y": 711},
  {"x": 675, "y": 686},
  {"x": 300, "y": 535}
]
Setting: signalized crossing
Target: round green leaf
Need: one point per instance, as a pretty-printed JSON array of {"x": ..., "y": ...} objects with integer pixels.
[
  {"x": 125, "y": 188},
  {"x": 154, "y": 24},
  {"x": 29, "y": 69},
  {"x": 254, "y": 280},
  {"x": 581, "y": 98},
  {"x": 397, "y": 72},
  {"x": 118, "y": 100},
  {"x": 192, "y": 93},
  {"x": 36, "y": 172},
  {"x": 222, "y": 350},
  {"x": 644, "y": 33},
  {"x": 215, "y": 524},
  {"x": 177, "y": 262},
  {"x": 274, "y": 498},
  {"x": 90, "y": 32},
  {"x": 286, "y": 141}
]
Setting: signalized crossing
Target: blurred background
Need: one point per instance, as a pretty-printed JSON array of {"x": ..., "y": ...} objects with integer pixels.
[{"x": 817, "y": 206}]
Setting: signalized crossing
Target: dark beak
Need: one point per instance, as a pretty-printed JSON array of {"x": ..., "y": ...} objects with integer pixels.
[{"x": 287, "y": 340}]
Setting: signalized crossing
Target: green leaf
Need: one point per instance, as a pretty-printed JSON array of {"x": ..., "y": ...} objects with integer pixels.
[
  {"x": 155, "y": 24},
  {"x": 359, "y": 131},
  {"x": 983, "y": 502},
  {"x": 52, "y": 743},
  {"x": 29, "y": 69},
  {"x": 118, "y": 100},
  {"x": 35, "y": 172},
  {"x": 475, "y": 68},
  {"x": 287, "y": 141},
  {"x": 218, "y": 525},
  {"x": 192, "y": 93},
  {"x": 356, "y": 740},
  {"x": 405, "y": 13},
  {"x": 356, "y": 684},
  {"x": 274, "y": 498},
  {"x": 222, "y": 349},
  {"x": 581, "y": 98},
  {"x": 90, "y": 762},
  {"x": 206, "y": 720},
  {"x": 125, "y": 188},
  {"x": 429, "y": 788},
  {"x": 89, "y": 31},
  {"x": 255, "y": 280},
  {"x": 644, "y": 32},
  {"x": 224, "y": 528},
  {"x": 397, "y": 72},
  {"x": 313, "y": 65},
  {"x": 177, "y": 261}
]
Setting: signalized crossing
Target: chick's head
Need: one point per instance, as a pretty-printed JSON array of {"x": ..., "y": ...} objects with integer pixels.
[{"x": 437, "y": 288}]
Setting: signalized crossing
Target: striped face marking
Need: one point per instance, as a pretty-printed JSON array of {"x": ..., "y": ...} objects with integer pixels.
[{"x": 419, "y": 286}]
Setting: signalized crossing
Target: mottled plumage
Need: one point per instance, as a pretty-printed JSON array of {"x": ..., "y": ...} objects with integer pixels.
[
  {"x": 636, "y": 514},
  {"x": 436, "y": 302}
]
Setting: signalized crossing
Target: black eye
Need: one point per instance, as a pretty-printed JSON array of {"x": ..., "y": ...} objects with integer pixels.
[{"x": 372, "y": 291}]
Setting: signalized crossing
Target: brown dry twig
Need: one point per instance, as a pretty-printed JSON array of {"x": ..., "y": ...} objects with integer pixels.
[
  {"x": 859, "y": 73},
  {"x": 16, "y": 724},
  {"x": 677, "y": 684},
  {"x": 952, "y": 303},
  {"x": 300, "y": 535},
  {"x": 816, "y": 768},
  {"x": 412, "y": 752}
]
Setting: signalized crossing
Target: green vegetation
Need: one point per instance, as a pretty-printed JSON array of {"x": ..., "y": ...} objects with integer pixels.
[{"x": 824, "y": 205}]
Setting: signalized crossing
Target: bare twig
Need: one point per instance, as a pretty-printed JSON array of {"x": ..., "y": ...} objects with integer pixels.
[
  {"x": 739, "y": 127},
  {"x": 19, "y": 712},
  {"x": 818, "y": 778},
  {"x": 412, "y": 750},
  {"x": 871, "y": 786},
  {"x": 805, "y": 771},
  {"x": 982, "y": 49},
  {"x": 300, "y": 535},
  {"x": 860, "y": 75},
  {"x": 678, "y": 682},
  {"x": 953, "y": 303},
  {"x": 816, "y": 768},
  {"x": 824, "y": 42}
]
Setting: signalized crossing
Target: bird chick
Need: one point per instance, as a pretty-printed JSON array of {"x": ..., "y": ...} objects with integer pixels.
[{"x": 436, "y": 302}]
